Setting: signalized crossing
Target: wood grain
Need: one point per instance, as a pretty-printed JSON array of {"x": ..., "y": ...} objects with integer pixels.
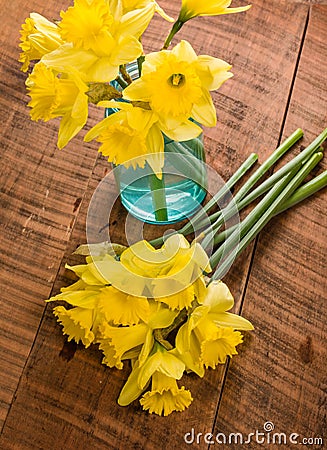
[
  {"x": 41, "y": 189},
  {"x": 282, "y": 376},
  {"x": 66, "y": 398}
]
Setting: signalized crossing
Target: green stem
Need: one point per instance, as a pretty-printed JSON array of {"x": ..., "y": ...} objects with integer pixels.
[
  {"x": 242, "y": 201},
  {"x": 301, "y": 194},
  {"x": 126, "y": 76},
  {"x": 121, "y": 82},
  {"x": 254, "y": 178},
  {"x": 175, "y": 28},
  {"x": 266, "y": 165},
  {"x": 222, "y": 192},
  {"x": 140, "y": 61},
  {"x": 305, "y": 191},
  {"x": 261, "y": 215},
  {"x": 216, "y": 198},
  {"x": 157, "y": 187}
]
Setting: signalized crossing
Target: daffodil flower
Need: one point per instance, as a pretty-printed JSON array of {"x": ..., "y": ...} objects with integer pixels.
[
  {"x": 165, "y": 396},
  {"x": 209, "y": 335},
  {"x": 119, "y": 343},
  {"x": 39, "y": 36},
  {"x": 176, "y": 84},
  {"x": 171, "y": 274},
  {"x": 194, "y": 8},
  {"x": 63, "y": 97},
  {"x": 131, "y": 137},
  {"x": 98, "y": 40},
  {"x": 176, "y": 270},
  {"x": 160, "y": 361},
  {"x": 77, "y": 323}
]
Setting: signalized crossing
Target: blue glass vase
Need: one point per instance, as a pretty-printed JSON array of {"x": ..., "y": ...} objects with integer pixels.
[{"x": 178, "y": 195}]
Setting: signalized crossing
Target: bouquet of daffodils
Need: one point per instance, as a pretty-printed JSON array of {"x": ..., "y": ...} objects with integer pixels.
[
  {"x": 153, "y": 303},
  {"x": 82, "y": 54}
]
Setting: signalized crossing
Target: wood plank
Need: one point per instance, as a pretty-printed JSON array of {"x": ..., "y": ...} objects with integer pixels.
[
  {"x": 281, "y": 374},
  {"x": 41, "y": 189},
  {"x": 71, "y": 398}
]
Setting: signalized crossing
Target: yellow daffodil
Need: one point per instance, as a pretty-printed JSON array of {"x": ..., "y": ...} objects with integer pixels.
[
  {"x": 170, "y": 275},
  {"x": 39, "y": 36},
  {"x": 122, "y": 309},
  {"x": 176, "y": 84},
  {"x": 112, "y": 305},
  {"x": 130, "y": 5},
  {"x": 175, "y": 268},
  {"x": 77, "y": 324},
  {"x": 209, "y": 335},
  {"x": 174, "y": 255},
  {"x": 165, "y": 396},
  {"x": 119, "y": 343},
  {"x": 63, "y": 97},
  {"x": 160, "y": 361},
  {"x": 194, "y": 8},
  {"x": 131, "y": 137},
  {"x": 98, "y": 40},
  {"x": 134, "y": 135}
]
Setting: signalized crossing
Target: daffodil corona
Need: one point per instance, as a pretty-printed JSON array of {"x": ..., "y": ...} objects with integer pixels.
[
  {"x": 176, "y": 84},
  {"x": 39, "y": 36},
  {"x": 63, "y": 97}
]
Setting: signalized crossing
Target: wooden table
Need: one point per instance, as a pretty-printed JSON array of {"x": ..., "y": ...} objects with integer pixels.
[{"x": 56, "y": 396}]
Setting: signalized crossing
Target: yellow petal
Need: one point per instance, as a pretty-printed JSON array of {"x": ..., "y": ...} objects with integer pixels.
[
  {"x": 161, "y": 316},
  {"x": 69, "y": 127},
  {"x": 235, "y": 10},
  {"x": 184, "y": 52},
  {"x": 140, "y": 119},
  {"x": 212, "y": 71},
  {"x": 183, "y": 132},
  {"x": 146, "y": 348},
  {"x": 101, "y": 126},
  {"x": 155, "y": 146},
  {"x": 136, "y": 91},
  {"x": 162, "y": 13},
  {"x": 66, "y": 56},
  {"x": 134, "y": 23},
  {"x": 103, "y": 70},
  {"x": 163, "y": 362},
  {"x": 128, "y": 49},
  {"x": 87, "y": 299},
  {"x": 219, "y": 297},
  {"x": 234, "y": 321},
  {"x": 204, "y": 110},
  {"x": 77, "y": 324},
  {"x": 131, "y": 390}
]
